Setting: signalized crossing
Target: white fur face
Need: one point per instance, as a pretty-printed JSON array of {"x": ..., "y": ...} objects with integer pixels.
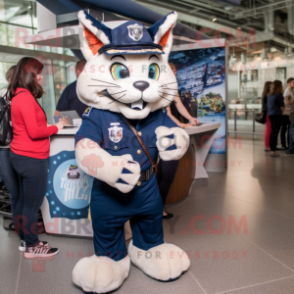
[
  {"x": 131, "y": 84},
  {"x": 135, "y": 84}
]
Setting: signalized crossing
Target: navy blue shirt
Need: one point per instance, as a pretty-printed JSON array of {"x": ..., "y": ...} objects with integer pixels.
[
  {"x": 112, "y": 133},
  {"x": 274, "y": 104},
  {"x": 69, "y": 100}
]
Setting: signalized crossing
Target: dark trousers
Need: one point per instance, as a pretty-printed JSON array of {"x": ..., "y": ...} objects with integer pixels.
[
  {"x": 142, "y": 206},
  {"x": 9, "y": 176},
  {"x": 32, "y": 178},
  {"x": 291, "y": 145},
  {"x": 166, "y": 173},
  {"x": 276, "y": 123},
  {"x": 285, "y": 129}
]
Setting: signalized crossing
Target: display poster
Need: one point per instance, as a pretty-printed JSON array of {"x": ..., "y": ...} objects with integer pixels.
[
  {"x": 201, "y": 76},
  {"x": 69, "y": 188}
]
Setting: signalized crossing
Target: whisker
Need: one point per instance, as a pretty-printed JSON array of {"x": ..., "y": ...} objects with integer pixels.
[
  {"x": 167, "y": 94},
  {"x": 174, "y": 82},
  {"x": 104, "y": 82},
  {"x": 166, "y": 99},
  {"x": 117, "y": 92},
  {"x": 103, "y": 86},
  {"x": 117, "y": 99}
]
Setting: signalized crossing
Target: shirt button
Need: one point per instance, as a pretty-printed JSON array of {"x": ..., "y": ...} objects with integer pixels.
[
  {"x": 139, "y": 151},
  {"x": 115, "y": 147},
  {"x": 139, "y": 183},
  {"x": 140, "y": 134}
]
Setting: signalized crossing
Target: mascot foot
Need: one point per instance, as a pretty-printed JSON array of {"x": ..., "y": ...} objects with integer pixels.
[
  {"x": 100, "y": 274},
  {"x": 164, "y": 262}
]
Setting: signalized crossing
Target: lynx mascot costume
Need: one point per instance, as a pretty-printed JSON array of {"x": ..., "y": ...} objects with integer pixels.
[{"x": 127, "y": 82}]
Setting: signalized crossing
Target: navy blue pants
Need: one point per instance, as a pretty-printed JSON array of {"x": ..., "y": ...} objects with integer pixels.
[
  {"x": 32, "y": 181},
  {"x": 9, "y": 176},
  {"x": 111, "y": 209}
]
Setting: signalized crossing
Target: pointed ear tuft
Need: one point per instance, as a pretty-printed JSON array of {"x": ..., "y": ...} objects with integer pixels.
[
  {"x": 161, "y": 31},
  {"x": 93, "y": 42},
  {"x": 92, "y": 34}
]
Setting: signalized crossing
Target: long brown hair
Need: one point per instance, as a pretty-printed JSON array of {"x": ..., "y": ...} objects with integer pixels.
[
  {"x": 276, "y": 88},
  {"x": 266, "y": 89},
  {"x": 25, "y": 75}
]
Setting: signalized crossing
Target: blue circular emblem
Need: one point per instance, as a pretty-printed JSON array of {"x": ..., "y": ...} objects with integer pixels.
[{"x": 72, "y": 186}]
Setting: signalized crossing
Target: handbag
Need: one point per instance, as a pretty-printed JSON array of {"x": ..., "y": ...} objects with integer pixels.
[
  {"x": 6, "y": 132},
  {"x": 261, "y": 117}
]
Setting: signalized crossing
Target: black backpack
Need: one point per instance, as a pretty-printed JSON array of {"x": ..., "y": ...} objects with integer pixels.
[{"x": 6, "y": 133}]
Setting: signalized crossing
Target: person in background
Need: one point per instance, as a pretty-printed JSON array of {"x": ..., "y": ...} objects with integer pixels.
[
  {"x": 267, "y": 128},
  {"x": 7, "y": 173},
  {"x": 167, "y": 170},
  {"x": 275, "y": 108},
  {"x": 290, "y": 152},
  {"x": 288, "y": 101},
  {"x": 29, "y": 154},
  {"x": 69, "y": 99}
]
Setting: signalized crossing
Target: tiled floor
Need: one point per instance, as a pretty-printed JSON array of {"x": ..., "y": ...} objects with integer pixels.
[{"x": 256, "y": 189}]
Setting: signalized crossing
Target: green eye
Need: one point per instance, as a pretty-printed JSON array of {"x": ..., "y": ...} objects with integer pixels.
[
  {"x": 153, "y": 71},
  {"x": 119, "y": 71}
]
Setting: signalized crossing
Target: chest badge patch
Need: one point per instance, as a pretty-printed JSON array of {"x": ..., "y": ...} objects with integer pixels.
[{"x": 115, "y": 132}]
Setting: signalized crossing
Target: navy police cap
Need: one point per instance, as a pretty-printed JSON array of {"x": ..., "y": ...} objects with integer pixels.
[{"x": 129, "y": 38}]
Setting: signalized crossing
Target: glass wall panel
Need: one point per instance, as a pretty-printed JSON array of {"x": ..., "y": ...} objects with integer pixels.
[
  {"x": 70, "y": 72},
  {"x": 3, "y": 69},
  {"x": 16, "y": 36},
  {"x": 3, "y": 34}
]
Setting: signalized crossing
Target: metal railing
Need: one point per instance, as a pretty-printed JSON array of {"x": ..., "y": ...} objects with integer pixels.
[{"x": 253, "y": 133}]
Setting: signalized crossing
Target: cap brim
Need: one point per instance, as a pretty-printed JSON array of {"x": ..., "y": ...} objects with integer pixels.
[{"x": 133, "y": 50}]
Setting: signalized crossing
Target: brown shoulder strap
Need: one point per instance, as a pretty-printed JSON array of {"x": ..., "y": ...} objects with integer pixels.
[{"x": 140, "y": 141}]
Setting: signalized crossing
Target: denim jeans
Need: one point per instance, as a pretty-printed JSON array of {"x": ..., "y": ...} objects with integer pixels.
[
  {"x": 32, "y": 176},
  {"x": 9, "y": 176},
  {"x": 291, "y": 135}
]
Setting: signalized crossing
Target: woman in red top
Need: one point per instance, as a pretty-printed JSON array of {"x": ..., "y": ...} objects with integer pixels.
[{"x": 29, "y": 153}]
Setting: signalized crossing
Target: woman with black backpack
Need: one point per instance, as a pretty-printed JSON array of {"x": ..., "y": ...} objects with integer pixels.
[{"x": 29, "y": 153}]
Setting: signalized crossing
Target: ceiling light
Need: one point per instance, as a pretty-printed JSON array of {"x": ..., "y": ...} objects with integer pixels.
[
  {"x": 214, "y": 18},
  {"x": 263, "y": 54},
  {"x": 273, "y": 49}
]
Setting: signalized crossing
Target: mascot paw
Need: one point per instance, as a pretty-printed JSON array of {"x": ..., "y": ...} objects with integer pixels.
[
  {"x": 164, "y": 262},
  {"x": 129, "y": 175},
  {"x": 100, "y": 274},
  {"x": 172, "y": 143}
]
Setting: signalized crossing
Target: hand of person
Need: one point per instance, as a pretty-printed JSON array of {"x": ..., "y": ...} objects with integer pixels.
[
  {"x": 194, "y": 121},
  {"x": 182, "y": 125},
  {"x": 60, "y": 124}
]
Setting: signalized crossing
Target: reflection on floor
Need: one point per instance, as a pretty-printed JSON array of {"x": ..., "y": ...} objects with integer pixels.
[{"x": 238, "y": 230}]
